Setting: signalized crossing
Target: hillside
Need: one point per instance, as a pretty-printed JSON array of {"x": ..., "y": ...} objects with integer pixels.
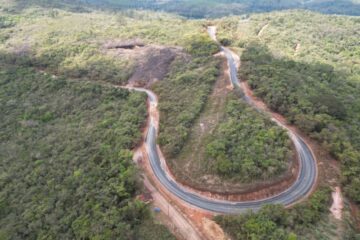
[
  {"x": 84, "y": 157},
  {"x": 75, "y": 45}
]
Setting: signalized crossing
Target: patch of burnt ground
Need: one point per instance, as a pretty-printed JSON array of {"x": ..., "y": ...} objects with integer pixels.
[
  {"x": 152, "y": 62},
  {"x": 125, "y": 44},
  {"x": 154, "y": 66}
]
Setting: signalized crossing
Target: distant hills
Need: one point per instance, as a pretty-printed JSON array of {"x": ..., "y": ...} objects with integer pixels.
[
  {"x": 204, "y": 8},
  {"x": 212, "y": 8}
]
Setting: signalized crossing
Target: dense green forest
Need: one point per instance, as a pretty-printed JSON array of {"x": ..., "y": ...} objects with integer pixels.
[
  {"x": 66, "y": 164},
  {"x": 247, "y": 146}
]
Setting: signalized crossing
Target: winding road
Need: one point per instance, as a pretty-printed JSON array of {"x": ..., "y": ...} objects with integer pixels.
[{"x": 298, "y": 190}]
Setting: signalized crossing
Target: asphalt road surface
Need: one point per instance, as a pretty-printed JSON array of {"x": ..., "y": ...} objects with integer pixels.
[{"x": 300, "y": 188}]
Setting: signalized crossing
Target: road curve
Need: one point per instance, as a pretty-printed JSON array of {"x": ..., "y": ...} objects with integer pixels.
[{"x": 300, "y": 188}]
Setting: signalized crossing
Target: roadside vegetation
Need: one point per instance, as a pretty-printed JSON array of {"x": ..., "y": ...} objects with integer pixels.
[
  {"x": 309, "y": 220},
  {"x": 247, "y": 146},
  {"x": 275, "y": 222}
]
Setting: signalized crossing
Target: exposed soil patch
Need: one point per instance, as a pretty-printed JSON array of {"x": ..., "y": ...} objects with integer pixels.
[
  {"x": 214, "y": 229},
  {"x": 152, "y": 62},
  {"x": 154, "y": 67},
  {"x": 338, "y": 203}
]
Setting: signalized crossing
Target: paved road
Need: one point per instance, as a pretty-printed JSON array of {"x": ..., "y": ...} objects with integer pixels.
[{"x": 301, "y": 187}]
